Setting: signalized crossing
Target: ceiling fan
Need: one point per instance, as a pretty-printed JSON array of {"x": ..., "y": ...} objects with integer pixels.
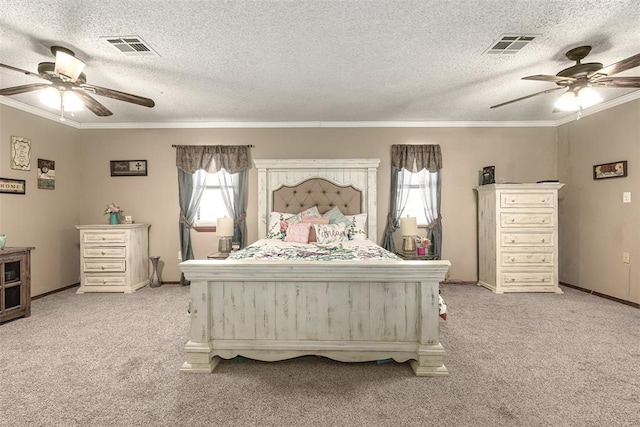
[
  {"x": 580, "y": 78},
  {"x": 66, "y": 87}
]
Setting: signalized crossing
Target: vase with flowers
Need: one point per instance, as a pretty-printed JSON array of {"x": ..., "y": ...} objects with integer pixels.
[
  {"x": 422, "y": 246},
  {"x": 114, "y": 212}
]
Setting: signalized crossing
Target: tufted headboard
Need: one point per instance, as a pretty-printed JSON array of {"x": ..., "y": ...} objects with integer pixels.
[
  {"x": 285, "y": 185},
  {"x": 317, "y": 192}
]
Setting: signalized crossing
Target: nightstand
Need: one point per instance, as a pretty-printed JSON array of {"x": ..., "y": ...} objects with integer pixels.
[
  {"x": 218, "y": 255},
  {"x": 413, "y": 257}
]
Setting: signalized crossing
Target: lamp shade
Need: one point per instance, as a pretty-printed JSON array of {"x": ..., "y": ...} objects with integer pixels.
[
  {"x": 224, "y": 227},
  {"x": 408, "y": 226},
  {"x": 68, "y": 65}
]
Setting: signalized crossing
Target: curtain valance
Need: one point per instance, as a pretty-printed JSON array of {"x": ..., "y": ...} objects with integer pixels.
[
  {"x": 414, "y": 158},
  {"x": 212, "y": 158}
]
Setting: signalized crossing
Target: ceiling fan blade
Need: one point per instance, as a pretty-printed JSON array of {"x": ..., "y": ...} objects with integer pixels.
[
  {"x": 92, "y": 105},
  {"x": 618, "y": 67},
  {"x": 617, "y": 82},
  {"x": 20, "y": 70},
  {"x": 554, "y": 79},
  {"x": 24, "y": 88},
  {"x": 121, "y": 96},
  {"x": 528, "y": 96}
]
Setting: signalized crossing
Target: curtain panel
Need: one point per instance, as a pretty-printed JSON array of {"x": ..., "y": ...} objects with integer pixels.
[
  {"x": 406, "y": 159},
  {"x": 414, "y": 158},
  {"x": 210, "y": 158}
]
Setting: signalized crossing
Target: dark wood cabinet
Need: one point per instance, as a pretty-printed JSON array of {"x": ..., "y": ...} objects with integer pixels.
[{"x": 15, "y": 283}]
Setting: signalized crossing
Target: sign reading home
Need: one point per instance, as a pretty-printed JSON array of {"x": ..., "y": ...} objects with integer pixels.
[
  {"x": 13, "y": 186},
  {"x": 128, "y": 168}
]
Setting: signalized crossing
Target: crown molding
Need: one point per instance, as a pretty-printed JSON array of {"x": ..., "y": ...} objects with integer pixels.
[
  {"x": 38, "y": 112},
  {"x": 322, "y": 124}
]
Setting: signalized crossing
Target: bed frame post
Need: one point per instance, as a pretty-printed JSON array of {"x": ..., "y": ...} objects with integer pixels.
[
  {"x": 199, "y": 349},
  {"x": 431, "y": 354}
]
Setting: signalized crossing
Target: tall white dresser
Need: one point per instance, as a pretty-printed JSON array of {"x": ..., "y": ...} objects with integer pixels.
[
  {"x": 113, "y": 258},
  {"x": 518, "y": 237}
]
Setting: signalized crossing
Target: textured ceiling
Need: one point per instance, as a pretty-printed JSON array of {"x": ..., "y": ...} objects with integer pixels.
[{"x": 317, "y": 61}]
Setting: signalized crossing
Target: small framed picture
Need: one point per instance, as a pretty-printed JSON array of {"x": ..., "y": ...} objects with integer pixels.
[
  {"x": 610, "y": 170},
  {"x": 20, "y": 153},
  {"x": 46, "y": 174},
  {"x": 128, "y": 168},
  {"x": 488, "y": 175},
  {"x": 13, "y": 186}
]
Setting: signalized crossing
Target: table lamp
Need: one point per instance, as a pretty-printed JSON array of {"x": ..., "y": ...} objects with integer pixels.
[
  {"x": 409, "y": 231},
  {"x": 224, "y": 231}
]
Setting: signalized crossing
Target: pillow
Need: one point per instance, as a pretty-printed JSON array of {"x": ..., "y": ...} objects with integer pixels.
[
  {"x": 278, "y": 225},
  {"x": 312, "y": 230},
  {"x": 331, "y": 233},
  {"x": 298, "y": 233},
  {"x": 356, "y": 229},
  {"x": 279, "y": 221},
  {"x": 336, "y": 216}
]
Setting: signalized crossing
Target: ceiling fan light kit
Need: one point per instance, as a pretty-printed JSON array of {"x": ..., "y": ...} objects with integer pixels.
[
  {"x": 51, "y": 98},
  {"x": 570, "y": 101}
]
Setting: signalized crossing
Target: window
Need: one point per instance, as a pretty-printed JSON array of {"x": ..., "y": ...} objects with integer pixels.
[
  {"x": 417, "y": 200},
  {"x": 212, "y": 205}
]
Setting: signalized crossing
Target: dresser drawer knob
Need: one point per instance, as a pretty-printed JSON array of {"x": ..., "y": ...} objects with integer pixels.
[
  {"x": 513, "y": 200},
  {"x": 102, "y": 252},
  {"x": 544, "y": 219},
  {"x": 542, "y": 240},
  {"x": 544, "y": 200},
  {"x": 544, "y": 259},
  {"x": 513, "y": 220},
  {"x": 102, "y": 267},
  {"x": 543, "y": 279},
  {"x": 103, "y": 238},
  {"x": 104, "y": 282},
  {"x": 513, "y": 240},
  {"x": 513, "y": 279}
]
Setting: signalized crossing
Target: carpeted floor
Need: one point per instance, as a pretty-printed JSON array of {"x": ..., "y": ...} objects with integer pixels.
[{"x": 515, "y": 360}]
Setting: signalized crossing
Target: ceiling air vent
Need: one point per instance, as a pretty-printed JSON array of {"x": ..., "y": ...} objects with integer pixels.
[
  {"x": 510, "y": 43},
  {"x": 130, "y": 45}
]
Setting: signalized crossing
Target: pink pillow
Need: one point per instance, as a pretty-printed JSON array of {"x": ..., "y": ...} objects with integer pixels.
[
  {"x": 314, "y": 220},
  {"x": 298, "y": 233}
]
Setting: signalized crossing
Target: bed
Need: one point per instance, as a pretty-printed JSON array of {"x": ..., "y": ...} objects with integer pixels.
[{"x": 274, "y": 307}]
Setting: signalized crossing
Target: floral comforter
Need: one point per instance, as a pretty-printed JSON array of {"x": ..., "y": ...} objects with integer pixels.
[{"x": 352, "y": 250}]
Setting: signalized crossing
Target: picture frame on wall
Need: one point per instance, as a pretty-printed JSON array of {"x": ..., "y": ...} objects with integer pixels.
[
  {"x": 13, "y": 186},
  {"x": 128, "y": 168},
  {"x": 20, "y": 153},
  {"x": 488, "y": 175},
  {"x": 46, "y": 174},
  {"x": 610, "y": 170}
]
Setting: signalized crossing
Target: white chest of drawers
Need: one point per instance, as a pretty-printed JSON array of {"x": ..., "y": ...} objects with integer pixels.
[
  {"x": 518, "y": 237},
  {"x": 113, "y": 258}
]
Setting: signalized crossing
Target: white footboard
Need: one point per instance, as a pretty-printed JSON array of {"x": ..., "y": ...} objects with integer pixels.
[{"x": 347, "y": 311}]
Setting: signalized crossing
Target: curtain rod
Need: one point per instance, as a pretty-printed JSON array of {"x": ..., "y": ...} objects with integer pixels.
[{"x": 249, "y": 145}]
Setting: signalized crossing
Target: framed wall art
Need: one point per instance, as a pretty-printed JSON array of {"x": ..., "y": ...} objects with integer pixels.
[
  {"x": 610, "y": 170},
  {"x": 13, "y": 186},
  {"x": 46, "y": 174},
  {"x": 128, "y": 168},
  {"x": 488, "y": 175},
  {"x": 20, "y": 153}
]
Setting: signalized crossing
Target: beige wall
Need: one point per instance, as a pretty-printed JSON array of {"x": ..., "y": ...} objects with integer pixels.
[
  {"x": 519, "y": 154},
  {"x": 43, "y": 218},
  {"x": 595, "y": 226}
]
